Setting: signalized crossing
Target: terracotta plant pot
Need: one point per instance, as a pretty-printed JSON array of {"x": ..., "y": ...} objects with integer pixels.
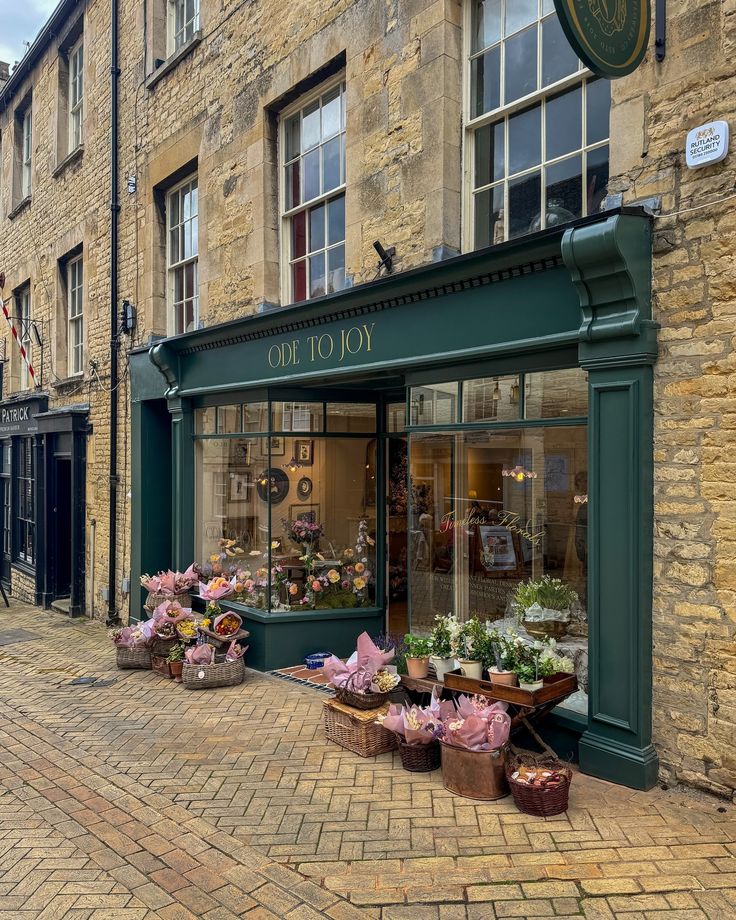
[
  {"x": 418, "y": 667},
  {"x": 507, "y": 678},
  {"x": 442, "y": 666},
  {"x": 471, "y": 668},
  {"x": 175, "y": 669}
]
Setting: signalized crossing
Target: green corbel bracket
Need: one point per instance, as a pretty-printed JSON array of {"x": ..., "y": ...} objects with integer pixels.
[
  {"x": 167, "y": 362},
  {"x": 610, "y": 264}
]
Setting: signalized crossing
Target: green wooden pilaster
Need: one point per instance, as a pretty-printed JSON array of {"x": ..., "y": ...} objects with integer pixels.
[
  {"x": 182, "y": 482},
  {"x": 610, "y": 265}
]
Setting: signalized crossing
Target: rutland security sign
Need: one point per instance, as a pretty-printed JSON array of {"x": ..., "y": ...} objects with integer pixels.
[{"x": 610, "y": 36}]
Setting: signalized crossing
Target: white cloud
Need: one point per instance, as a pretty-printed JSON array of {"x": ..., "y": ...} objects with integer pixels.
[{"x": 21, "y": 22}]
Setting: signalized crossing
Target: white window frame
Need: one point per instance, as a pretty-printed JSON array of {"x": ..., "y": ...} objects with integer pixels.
[
  {"x": 581, "y": 77},
  {"x": 75, "y": 315},
  {"x": 174, "y": 266},
  {"x": 179, "y": 29},
  {"x": 24, "y": 323},
  {"x": 26, "y": 153},
  {"x": 76, "y": 94},
  {"x": 286, "y": 214}
]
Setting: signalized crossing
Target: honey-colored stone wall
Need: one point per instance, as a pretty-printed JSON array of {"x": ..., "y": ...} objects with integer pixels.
[{"x": 694, "y": 300}]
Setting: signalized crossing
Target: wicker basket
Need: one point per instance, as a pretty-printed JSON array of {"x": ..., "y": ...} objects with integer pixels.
[
  {"x": 360, "y": 700},
  {"x": 419, "y": 758},
  {"x": 541, "y": 801},
  {"x": 549, "y": 629},
  {"x": 133, "y": 658},
  {"x": 218, "y": 641},
  {"x": 222, "y": 674},
  {"x": 162, "y": 647},
  {"x": 156, "y": 598},
  {"x": 357, "y": 730}
]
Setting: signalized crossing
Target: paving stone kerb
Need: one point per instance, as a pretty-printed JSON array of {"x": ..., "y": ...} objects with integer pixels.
[{"x": 142, "y": 800}]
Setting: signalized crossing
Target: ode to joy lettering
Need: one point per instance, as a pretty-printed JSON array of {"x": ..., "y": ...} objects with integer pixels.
[{"x": 322, "y": 346}]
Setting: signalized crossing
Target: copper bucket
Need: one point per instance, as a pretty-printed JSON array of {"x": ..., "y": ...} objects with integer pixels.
[{"x": 475, "y": 774}]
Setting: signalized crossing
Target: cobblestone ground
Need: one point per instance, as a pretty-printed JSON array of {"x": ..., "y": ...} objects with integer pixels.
[{"x": 142, "y": 800}]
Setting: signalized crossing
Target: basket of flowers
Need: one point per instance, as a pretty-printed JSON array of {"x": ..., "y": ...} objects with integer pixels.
[
  {"x": 226, "y": 627},
  {"x": 168, "y": 586},
  {"x": 416, "y": 729},
  {"x": 364, "y": 681},
  {"x": 539, "y": 783},
  {"x": 165, "y": 622},
  {"x": 201, "y": 671},
  {"x": 132, "y": 648}
]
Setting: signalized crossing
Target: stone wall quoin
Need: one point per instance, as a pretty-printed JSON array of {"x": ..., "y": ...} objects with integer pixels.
[{"x": 694, "y": 301}]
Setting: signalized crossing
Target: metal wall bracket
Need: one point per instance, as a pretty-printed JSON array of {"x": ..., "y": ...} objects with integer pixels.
[{"x": 660, "y": 30}]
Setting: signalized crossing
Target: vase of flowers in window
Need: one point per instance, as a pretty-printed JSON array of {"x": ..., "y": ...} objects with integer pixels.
[
  {"x": 304, "y": 533},
  {"x": 543, "y": 606}
]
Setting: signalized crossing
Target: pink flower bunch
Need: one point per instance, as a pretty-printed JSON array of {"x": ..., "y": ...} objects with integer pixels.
[
  {"x": 303, "y": 531},
  {"x": 474, "y": 723},
  {"x": 170, "y": 583},
  {"x": 217, "y": 589}
]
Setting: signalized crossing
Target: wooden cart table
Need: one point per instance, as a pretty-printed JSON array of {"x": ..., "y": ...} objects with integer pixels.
[{"x": 524, "y": 705}]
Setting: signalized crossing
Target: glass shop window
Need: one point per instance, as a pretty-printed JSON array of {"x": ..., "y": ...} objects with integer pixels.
[
  {"x": 291, "y": 515},
  {"x": 491, "y": 399},
  {"x": 537, "y": 126},
  {"x": 434, "y": 405},
  {"x": 296, "y": 416}
]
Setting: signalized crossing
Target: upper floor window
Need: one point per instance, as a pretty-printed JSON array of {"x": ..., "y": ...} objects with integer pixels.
[
  {"x": 183, "y": 22},
  {"x": 75, "y": 314},
  {"x": 182, "y": 249},
  {"x": 26, "y": 152},
  {"x": 76, "y": 94},
  {"x": 536, "y": 122},
  {"x": 23, "y": 311},
  {"x": 313, "y": 197}
]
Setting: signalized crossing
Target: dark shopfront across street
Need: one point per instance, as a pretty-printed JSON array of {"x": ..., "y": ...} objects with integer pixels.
[
  {"x": 450, "y": 432},
  {"x": 42, "y": 496}
]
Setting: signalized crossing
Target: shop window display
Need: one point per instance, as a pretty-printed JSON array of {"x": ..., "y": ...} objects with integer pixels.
[{"x": 289, "y": 516}]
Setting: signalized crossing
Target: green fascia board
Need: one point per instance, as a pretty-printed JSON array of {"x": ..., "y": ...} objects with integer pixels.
[{"x": 146, "y": 380}]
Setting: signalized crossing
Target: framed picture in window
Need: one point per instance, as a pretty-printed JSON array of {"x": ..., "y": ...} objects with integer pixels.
[
  {"x": 304, "y": 452},
  {"x": 308, "y": 513},
  {"x": 240, "y": 485},
  {"x": 278, "y": 447},
  {"x": 243, "y": 452},
  {"x": 497, "y": 549}
]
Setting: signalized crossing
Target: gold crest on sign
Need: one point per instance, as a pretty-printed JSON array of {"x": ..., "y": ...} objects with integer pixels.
[{"x": 609, "y": 14}]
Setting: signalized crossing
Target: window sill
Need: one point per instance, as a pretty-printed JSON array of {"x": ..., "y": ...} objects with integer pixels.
[
  {"x": 75, "y": 155},
  {"x": 171, "y": 62},
  {"x": 24, "y": 203},
  {"x": 68, "y": 383},
  {"x": 25, "y": 567}
]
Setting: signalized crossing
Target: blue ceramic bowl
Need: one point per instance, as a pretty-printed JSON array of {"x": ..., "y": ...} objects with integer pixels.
[{"x": 317, "y": 660}]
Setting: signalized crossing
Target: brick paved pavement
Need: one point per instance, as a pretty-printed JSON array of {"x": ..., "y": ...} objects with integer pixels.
[{"x": 142, "y": 800}]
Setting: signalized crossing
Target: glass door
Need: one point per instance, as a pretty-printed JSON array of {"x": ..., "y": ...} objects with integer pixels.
[{"x": 5, "y": 518}]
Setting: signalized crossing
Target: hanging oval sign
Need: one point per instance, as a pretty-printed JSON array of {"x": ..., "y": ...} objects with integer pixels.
[{"x": 609, "y": 36}]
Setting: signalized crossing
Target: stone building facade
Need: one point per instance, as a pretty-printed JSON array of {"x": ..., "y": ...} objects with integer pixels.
[{"x": 205, "y": 100}]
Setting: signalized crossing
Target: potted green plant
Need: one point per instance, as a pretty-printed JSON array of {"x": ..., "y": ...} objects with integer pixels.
[
  {"x": 176, "y": 661},
  {"x": 503, "y": 658},
  {"x": 467, "y": 651},
  {"x": 417, "y": 655},
  {"x": 440, "y": 643},
  {"x": 544, "y": 605},
  {"x": 528, "y": 666}
]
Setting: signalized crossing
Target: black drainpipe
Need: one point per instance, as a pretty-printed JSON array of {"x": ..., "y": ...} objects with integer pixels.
[{"x": 112, "y": 615}]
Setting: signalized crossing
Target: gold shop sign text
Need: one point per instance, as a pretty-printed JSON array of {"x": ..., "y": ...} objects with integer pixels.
[
  {"x": 509, "y": 519},
  {"x": 322, "y": 347}
]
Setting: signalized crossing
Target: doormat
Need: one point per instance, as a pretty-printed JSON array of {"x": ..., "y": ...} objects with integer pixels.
[
  {"x": 298, "y": 674},
  {"x": 11, "y": 636}
]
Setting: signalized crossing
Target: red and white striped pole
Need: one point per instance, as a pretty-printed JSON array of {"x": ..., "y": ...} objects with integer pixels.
[{"x": 15, "y": 332}]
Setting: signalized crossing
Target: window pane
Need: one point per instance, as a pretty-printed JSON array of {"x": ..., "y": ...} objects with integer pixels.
[
  {"x": 255, "y": 416},
  {"x": 204, "y": 420},
  {"x": 598, "y": 95},
  {"x": 553, "y": 394},
  {"x": 490, "y": 399},
  {"x": 317, "y": 228},
  {"x": 336, "y": 268},
  {"x": 597, "y": 178},
  {"x": 524, "y": 204},
  {"x": 190, "y": 279},
  {"x": 351, "y": 417},
  {"x": 396, "y": 417},
  {"x": 485, "y": 80},
  {"x": 489, "y": 154},
  {"x": 336, "y": 220},
  {"x": 299, "y": 281},
  {"x": 564, "y": 123},
  {"x": 317, "y": 275},
  {"x": 435, "y": 404},
  {"x": 228, "y": 419},
  {"x": 564, "y": 191},
  {"x": 298, "y": 234},
  {"x": 521, "y": 65},
  {"x": 489, "y": 227},
  {"x": 486, "y": 23},
  {"x": 310, "y": 126},
  {"x": 558, "y": 58},
  {"x": 294, "y": 416},
  {"x": 331, "y": 164},
  {"x": 519, "y": 13},
  {"x": 331, "y": 113},
  {"x": 292, "y": 185},
  {"x": 525, "y": 140},
  {"x": 311, "y": 175},
  {"x": 291, "y": 137}
]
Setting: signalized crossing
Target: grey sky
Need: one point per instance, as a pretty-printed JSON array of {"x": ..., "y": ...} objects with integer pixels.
[{"x": 21, "y": 21}]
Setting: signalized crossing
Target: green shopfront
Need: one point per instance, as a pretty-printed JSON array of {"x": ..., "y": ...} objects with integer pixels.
[{"x": 420, "y": 445}]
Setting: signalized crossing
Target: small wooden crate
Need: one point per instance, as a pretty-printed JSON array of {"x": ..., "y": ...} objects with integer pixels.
[{"x": 356, "y": 729}]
